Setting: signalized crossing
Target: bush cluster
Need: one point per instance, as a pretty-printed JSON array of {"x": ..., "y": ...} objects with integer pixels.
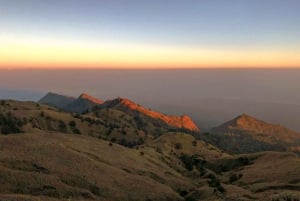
[{"x": 10, "y": 124}]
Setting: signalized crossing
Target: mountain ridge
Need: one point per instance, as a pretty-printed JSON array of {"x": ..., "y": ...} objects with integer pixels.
[
  {"x": 86, "y": 103},
  {"x": 183, "y": 121}
]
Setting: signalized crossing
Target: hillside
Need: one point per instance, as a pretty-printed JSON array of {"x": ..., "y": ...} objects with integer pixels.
[
  {"x": 110, "y": 124},
  {"x": 70, "y": 167},
  {"x": 246, "y": 134},
  {"x": 48, "y": 154},
  {"x": 63, "y": 166}
]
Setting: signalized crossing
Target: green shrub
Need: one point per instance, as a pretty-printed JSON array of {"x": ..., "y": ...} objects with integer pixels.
[
  {"x": 215, "y": 183},
  {"x": 190, "y": 198},
  {"x": 62, "y": 126},
  {"x": 234, "y": 177},
  {"x": 72, "y": 123},
  {"x": 10, "y": 124},
  {"x": 113, "y": 139},
  {"x": 183, "y": 193},
  {"x": 201, "y": 169},
  {"x": 75, "y": 130},
  {"x": 187, "y": 161},
  {"x": 178, "y": 145},
  {"x": 158, "y": 150}
]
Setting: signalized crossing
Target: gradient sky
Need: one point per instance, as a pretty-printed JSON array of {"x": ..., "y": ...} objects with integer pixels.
[{"x": 149, "y": 33}]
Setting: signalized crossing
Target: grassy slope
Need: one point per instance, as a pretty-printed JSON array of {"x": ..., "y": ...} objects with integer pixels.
[
  {"x": 63, "y": 166},
  {"x": 263, "y": 176}
]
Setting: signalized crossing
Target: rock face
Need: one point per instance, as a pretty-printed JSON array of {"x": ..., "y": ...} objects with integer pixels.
[
  {"x": 56, "y": 100},
  {"x": 246, "y": 134},
  {"x": 182, "y": 122}
]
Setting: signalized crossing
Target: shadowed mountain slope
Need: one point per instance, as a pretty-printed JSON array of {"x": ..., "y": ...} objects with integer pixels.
[
  {"x": 83, "y": 104},
  {"x": 56, "y": 100}
]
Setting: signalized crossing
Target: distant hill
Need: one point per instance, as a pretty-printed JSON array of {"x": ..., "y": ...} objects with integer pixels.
[
  {"x": 56, "y": 100},
  {"x": 84, "y": 103},
  {"x": 245, "y": 134}
]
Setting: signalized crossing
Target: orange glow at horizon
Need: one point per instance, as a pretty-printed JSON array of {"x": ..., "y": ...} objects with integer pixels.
[{"x": 57, "y": 54}]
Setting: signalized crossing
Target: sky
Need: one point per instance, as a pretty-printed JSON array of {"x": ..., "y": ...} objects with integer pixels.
[{"x": 149, "y": 34}]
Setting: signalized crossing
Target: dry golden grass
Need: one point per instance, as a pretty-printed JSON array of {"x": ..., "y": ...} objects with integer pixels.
[
  {"x": 187, "y": 144},
  {"x": 62, "y": 166}
]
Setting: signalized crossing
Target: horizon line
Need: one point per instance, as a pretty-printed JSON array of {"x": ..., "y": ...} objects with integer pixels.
[{"x": 150, "y": 68}]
